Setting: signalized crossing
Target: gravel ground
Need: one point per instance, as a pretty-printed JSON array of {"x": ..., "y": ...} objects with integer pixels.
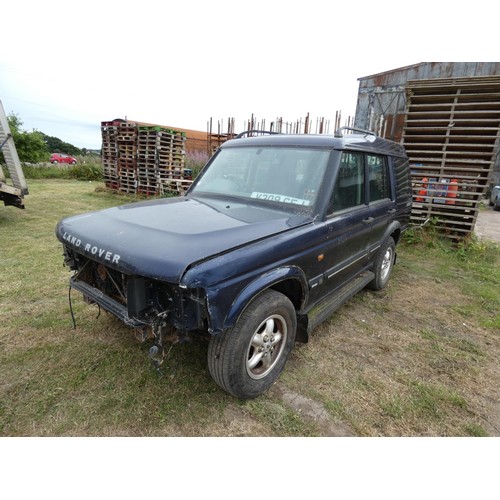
[{"x": 488, "y": 224}]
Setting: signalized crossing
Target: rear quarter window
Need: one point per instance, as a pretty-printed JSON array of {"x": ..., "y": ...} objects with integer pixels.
[{"x": 402, "y": 174}]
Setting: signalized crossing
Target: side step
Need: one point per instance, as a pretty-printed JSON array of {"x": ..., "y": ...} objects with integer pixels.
[{"x": 324, "y": 309}]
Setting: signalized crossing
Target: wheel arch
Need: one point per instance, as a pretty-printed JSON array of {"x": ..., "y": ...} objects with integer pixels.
[
  {"x": 290, "y": 281},
  {"x": 396, "y": 234},
  {"x": 393, "y": 230}
]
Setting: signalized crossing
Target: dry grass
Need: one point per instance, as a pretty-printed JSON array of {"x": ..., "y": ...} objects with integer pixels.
[
  {"x": 405, "y": 361},
  {"x": 418, "y": 359}
]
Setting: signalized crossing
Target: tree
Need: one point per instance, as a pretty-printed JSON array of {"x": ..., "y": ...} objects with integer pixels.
[
  {"x": 36, "y": 146},
  {"x": 30, "y": 146},
  {"x": 55, "y": 145}
]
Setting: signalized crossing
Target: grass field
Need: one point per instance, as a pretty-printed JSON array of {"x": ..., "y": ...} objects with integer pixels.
[{"x": 417, "y": 359}]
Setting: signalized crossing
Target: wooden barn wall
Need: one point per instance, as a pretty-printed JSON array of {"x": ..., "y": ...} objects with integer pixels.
[
  {"x": 381, "y": 102},
  {"x": 451, "y": 134}
]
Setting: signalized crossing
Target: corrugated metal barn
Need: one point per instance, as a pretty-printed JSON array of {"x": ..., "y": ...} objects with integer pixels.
[{"x": 447, "y": 114}]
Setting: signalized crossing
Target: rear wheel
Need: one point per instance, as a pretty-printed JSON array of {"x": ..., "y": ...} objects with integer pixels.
[
  {"x": 248, "y": 358},
  {"x": 383, "y": 264},
  {"x": 54, "y": 162}
]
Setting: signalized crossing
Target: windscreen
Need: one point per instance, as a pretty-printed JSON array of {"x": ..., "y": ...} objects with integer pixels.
[{"x": 271, "y": 174}]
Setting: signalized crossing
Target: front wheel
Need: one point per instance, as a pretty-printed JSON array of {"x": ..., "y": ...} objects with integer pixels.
[
  {"x": 383, "y": 264},
  {"x": 248, "y": 358}
]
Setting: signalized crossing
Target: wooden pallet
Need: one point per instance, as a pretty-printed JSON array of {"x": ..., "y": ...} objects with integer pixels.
[
  {"x": 451, "y": 135},
  {"x": 147, "y": 160}
]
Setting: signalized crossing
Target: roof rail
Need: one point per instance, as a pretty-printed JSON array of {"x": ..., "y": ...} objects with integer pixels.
[
  {"x": 338, "y": 132},
  {"x": 258, "y": 132}
]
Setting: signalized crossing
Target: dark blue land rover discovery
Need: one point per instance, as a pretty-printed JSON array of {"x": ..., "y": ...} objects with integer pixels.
[{"x": 273, "y": 236}]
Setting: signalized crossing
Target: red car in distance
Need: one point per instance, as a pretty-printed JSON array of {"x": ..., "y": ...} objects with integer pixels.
[{"x": 62, "y": 158}]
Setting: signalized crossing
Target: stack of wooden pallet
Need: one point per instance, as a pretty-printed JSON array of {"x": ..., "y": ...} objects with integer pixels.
[
  {"x": 126, "y": 142},
  {"x": 144, "y": 159},
  {"x": 451, "y": 132},
  {"x": 147, "y": 161},
  {"x": 109, "y": 132},
  {"x": 161, "y": 161},
  {"x": 172, "y": 174}
]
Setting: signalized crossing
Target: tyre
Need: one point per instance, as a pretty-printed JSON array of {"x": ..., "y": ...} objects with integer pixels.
[
  {"x": 247, "y": 359},
  {"x": 383, "y": 264}
]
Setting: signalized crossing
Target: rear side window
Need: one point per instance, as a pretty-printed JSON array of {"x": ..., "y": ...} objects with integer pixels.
[
  {"x": 379, "y": 179},
  {"x": 350, "y": 183}
]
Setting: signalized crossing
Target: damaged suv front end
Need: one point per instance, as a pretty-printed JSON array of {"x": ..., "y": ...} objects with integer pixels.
[
  {"x": 273, "y": 236},
  {"x": 176, "y": 266},
  {"x": 137, "y": 301}
]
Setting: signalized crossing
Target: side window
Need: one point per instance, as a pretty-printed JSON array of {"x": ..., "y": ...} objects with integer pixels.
[
  {"x": 403, "y": 181},
  {"x": 379, "y": 179},
  {"x": 349, "y": 186}
]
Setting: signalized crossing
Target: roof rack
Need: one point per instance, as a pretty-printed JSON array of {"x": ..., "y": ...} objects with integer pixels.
[
  {"x": 338, "y": 132},
  {"x": 259, "y": 132}
]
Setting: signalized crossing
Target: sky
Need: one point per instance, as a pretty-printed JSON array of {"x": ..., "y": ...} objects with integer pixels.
[{"x": 67, "y": 66}]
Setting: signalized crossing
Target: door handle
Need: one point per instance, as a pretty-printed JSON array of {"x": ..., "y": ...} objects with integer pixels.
[
  {"x": 391, "y": 211},
  {"x": 368, "y": 220}
]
